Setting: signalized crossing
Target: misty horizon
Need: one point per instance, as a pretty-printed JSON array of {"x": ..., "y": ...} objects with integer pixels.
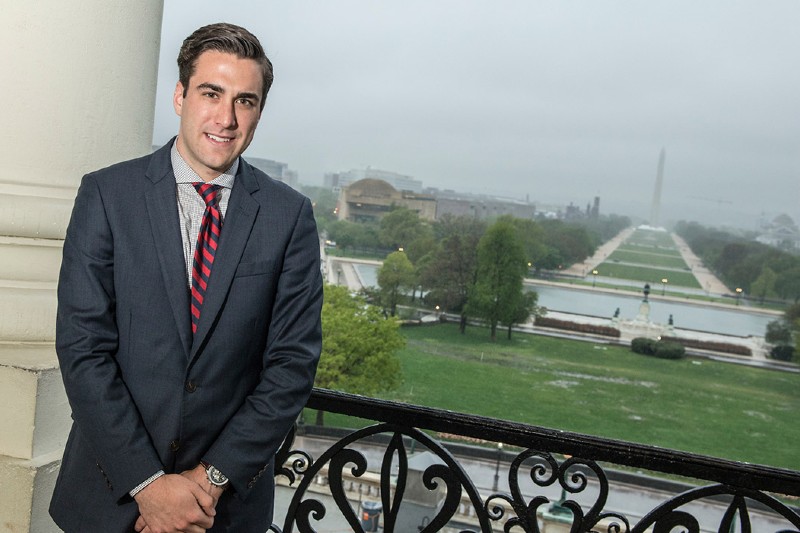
[{"x": 557, "y": 103}]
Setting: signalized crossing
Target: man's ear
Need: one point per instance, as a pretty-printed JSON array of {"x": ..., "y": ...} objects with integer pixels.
[{"x": 177, "y": 99}]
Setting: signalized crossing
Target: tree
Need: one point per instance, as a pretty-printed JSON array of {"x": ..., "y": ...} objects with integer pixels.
[
  {"x": 396, "y": 274},
  {"x": 572, "y": 242},
  {"x": 449, "y": 273},
  {"x": 324, "y": 203},
  {"x": 764, "y": 285},
  {"x": 402, "y": 226},
  {"x": 779, "y": 332},
  {"x": 358, "y": 346},
  {"x": 787, "y": 284},
  {"x": 522, "y": 310},
  {"x": 531, "y": 236},
  {"x": 353, "y": 234},
  {"x": 501, "y": 267}
]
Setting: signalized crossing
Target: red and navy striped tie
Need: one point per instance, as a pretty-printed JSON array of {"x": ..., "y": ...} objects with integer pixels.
[{"x": 206, "y": 248}]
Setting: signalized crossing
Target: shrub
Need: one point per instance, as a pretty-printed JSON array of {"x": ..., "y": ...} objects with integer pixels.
[
  {"x": 782, "y": 352},
  {"x": 661, "y": 349},
  {"x": 669, "y": 350},
  {"x": 643, "y": 345}
]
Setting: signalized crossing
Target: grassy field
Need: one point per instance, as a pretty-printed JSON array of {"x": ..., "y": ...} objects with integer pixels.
[
  {"x": 674, "y": 252},
  {"x": 651, "y": 238},
  {"x": 719, "y": 409},
  {"x": 650, "y": 275},
  {"x": 651, "y": 259}
]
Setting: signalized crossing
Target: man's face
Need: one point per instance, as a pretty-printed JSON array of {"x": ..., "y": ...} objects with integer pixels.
[{"x": 219, "y": 113}]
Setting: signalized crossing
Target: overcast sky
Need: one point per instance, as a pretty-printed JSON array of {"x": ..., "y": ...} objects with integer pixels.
[{"x": 555, "y": 101}]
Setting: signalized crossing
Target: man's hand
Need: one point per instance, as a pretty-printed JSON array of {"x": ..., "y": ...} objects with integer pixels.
[
  {"x": 199, "y": 476},
  {"x": 173, "y": 503}
]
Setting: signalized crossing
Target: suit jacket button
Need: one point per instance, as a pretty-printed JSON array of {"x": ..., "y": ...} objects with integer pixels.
[
  {"x": 174, "y": 446},
  {"x": 191, "y": 386}
]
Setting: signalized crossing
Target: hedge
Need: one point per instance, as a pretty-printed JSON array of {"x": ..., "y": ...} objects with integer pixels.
[
  {"x": 595, "y": 329},
  {"x": 713, "y": 346}
]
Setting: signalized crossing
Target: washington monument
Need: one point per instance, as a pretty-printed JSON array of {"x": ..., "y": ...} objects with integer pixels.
[{"x": 655, "y": 210}]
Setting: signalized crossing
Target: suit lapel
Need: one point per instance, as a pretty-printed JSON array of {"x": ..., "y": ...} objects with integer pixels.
[
  {"x": 161, "y": 204},
  {"x": 236, "y": 227}
]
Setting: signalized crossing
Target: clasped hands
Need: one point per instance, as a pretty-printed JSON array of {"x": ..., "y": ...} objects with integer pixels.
[{"x": 183, "y": 502}]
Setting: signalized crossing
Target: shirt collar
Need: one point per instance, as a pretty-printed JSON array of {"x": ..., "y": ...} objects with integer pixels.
[{"x": 184, "y": 173}]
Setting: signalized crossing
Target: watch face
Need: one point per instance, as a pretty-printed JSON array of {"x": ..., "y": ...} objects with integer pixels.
[{"x": 216, "y": 477}]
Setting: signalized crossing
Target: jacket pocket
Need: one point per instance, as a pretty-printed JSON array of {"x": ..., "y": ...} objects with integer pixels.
[{"x": 254, "y": 269}]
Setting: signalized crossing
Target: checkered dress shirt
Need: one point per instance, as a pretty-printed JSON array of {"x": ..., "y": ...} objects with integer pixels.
[{"x": 191, "y": 204}]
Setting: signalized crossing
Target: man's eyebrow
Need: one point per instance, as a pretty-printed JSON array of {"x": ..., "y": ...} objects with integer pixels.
[
  {"x": 250, "y": 96},
  {"x": 212, "y": 86},
  {"x": 216, "y": 88}
]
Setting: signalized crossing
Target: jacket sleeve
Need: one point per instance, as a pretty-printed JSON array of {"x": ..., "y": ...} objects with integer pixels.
[
  {"x": 87, "y": 340},
  {"x": 245, "y": 448}
]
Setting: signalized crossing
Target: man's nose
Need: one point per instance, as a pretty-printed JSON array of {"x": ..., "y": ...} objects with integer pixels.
[{"x": 226, "y": 115}]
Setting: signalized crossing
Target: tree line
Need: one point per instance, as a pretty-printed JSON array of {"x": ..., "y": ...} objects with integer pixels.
[
  {"x": 760, "y": 270},
  {"x": 469, "y": 266}
]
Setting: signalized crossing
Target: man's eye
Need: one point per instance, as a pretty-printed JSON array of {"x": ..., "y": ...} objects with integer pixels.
[
  {"x": 246, "y": 102},
  {"x": 210, "y": 94}
]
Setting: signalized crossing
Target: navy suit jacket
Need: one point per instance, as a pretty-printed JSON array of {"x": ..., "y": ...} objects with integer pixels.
[{"x": 145, "y": 393}]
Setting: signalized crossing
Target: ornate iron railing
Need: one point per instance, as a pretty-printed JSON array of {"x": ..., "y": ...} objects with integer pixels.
[{"x": 548, "y": 458}]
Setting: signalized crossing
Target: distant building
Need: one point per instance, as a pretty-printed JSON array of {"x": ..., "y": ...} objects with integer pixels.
[
  {"x": 369, "y": 200},
  {"x": 275, "y": 169},
  {"x": 781, "y": 233},
  {"x": 339, "y": 180},
  {"x": 482, "y": 207}
]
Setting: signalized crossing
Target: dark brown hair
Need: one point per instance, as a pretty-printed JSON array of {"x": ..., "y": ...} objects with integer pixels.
[{"x": 227, "y": 38}]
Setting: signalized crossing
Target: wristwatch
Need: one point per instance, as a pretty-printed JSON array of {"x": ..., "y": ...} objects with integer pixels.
[{"x": 215, "y": 477}]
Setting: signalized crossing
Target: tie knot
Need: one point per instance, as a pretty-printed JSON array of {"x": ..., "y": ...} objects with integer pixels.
[{"x": 208, "y": 192}]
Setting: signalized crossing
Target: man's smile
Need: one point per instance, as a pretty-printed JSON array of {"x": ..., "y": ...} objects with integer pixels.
[{"x": 216, "y": 138}]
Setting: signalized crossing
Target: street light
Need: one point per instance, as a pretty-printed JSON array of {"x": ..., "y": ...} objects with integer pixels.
[
  {"x": 664, "y": 282},
  {"x": 497, "y": 466},
  {"x": 738, "y": 294},
  {"x": 594, "y": 279}
]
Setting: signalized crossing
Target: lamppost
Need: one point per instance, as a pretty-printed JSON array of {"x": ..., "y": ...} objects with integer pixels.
[
  {"x": 664, "y": 282},
  {"x": 594, "y": 278},
  {"x": 738, "y": 294},
  {"x": 497, "y": 466}
]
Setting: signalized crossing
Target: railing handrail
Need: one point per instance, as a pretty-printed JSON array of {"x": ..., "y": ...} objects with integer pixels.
[{"x": 734, "y": 473}]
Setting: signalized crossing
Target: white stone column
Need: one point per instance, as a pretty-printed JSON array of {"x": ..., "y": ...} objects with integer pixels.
[{"x": 79, "y": 82}]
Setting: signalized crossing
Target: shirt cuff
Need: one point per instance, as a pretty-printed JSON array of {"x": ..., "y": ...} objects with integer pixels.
[{"x": 136, "y": 490}]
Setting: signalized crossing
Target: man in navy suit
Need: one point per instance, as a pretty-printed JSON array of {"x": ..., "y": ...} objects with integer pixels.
[{"x": 188, "y": 327}]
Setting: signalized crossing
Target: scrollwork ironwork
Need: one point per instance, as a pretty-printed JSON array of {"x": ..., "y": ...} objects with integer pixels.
[
  {"x": 522, "y": 508},
  {"x": 454, "y": 479}
]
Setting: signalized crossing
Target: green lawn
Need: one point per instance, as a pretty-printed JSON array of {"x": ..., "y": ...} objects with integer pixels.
[
  {"x": 674, "y": 252},
  {"x": 651, "y": 238},
  {"x": 645, "y": 258},
  {"x": 652, "y": 276},
  {"x": 719, "y": 409}
]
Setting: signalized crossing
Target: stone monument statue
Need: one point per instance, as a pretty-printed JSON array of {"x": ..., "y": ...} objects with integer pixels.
[{"x": 644, "y": 307}]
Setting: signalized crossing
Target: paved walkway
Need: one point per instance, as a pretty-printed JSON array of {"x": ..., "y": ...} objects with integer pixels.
[
  {"x": 708, "y": 281},
  {"x": 582, "y": 270}
]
